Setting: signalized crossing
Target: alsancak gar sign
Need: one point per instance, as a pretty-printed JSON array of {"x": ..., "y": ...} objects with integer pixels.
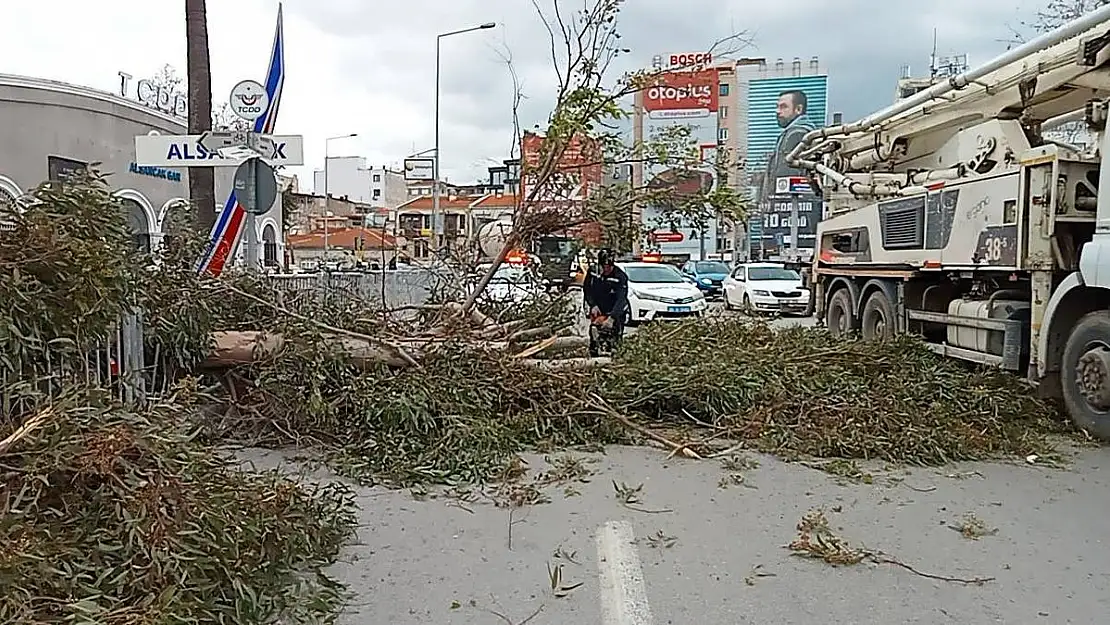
[
  {"x": 155, "y": 172},
  {"x": 185, "y": 150}
]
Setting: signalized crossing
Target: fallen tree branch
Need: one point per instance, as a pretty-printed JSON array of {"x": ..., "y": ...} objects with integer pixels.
[
  {"x": 28, "y": 426},
  {"x": 330, "y": 328},
  {"x": 659, "y": 438}
]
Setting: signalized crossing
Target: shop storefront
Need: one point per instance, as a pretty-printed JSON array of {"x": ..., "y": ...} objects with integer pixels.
[{"x": 48, "y": 129}]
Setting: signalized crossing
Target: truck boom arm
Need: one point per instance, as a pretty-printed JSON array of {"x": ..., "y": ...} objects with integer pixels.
[{"x": 1049, "y": 77}]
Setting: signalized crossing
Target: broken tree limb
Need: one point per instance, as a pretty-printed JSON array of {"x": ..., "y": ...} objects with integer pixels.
[
  {"x": 400, "y": 353},
  {"x": 564, "y": 364},
  {"x": 241, "y": 347},
  {"x": 530, "y": 334},
  {"x": 659, "y": 438},
  {"x": 555, "y": 343}
]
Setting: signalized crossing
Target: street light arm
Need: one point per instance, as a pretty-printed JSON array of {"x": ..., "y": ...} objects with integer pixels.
[{"x": 485, "y": 26}]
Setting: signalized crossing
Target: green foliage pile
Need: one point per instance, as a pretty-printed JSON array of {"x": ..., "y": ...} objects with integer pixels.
[
  {"x": 118, "y": 514},
  {"x": 113, "y": 516},
  {"x": 455, "y": 419},
  {"x": 802, "y": 392},
  {"x": 795, "y": 393}
]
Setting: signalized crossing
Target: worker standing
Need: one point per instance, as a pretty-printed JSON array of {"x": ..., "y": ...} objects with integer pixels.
[{"x": 605, "y": 291}]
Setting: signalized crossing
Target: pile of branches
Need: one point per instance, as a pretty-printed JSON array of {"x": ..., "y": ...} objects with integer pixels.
[
  {"x": 111, "y": 509},
  {"x": 796, "y": 393},
  {"x": 802, "y": 392}
]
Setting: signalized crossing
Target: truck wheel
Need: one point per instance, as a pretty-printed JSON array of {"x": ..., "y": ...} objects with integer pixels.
[
  {"x": 839, "y": 317},
  {"x": 877, "y": 319},
  {"x": 1085, "y": 375}
]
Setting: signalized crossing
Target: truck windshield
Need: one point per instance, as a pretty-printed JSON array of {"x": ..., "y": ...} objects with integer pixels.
[
  {"x": 772, "y": 273},
  {"x": 554, "y": 247}
]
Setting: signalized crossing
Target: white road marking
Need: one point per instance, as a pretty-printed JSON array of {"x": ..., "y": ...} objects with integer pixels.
[{"x": 623, "y": 597}]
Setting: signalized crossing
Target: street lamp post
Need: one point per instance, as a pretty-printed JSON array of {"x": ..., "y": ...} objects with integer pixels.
[
  {"x": 437, "y": 229},
  {"x": 327, "y": 190}
]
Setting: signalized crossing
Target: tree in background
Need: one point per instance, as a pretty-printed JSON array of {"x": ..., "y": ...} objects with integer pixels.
[
  {"x": 582, "y": 134},
  {"x": 202, "y": 180}
]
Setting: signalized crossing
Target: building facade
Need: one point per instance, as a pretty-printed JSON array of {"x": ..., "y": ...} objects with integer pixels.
[
  {"x": 49, "y": 129},
  {"x": 348, "y": 177}
]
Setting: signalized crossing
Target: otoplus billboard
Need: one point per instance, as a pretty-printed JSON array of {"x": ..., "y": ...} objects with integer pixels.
[
  {"x": 780, "y": 112},
  {"x": 681, "y": 98}
]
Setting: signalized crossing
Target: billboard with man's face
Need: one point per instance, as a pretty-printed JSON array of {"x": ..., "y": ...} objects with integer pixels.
[
  {"x": 780, "y": 112},
  {"x": 688, "y": 98}
]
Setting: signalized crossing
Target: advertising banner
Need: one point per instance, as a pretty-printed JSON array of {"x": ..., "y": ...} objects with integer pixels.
[
  {"x": 687, "y": 98},
  {"x": 780, "y": 112},
  {"x": 682, "y": 95}
]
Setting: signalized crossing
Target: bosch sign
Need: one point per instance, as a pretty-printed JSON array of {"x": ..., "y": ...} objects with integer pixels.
[
  {"x": 685, "y": 92},
  {"x": 690, "y": 58}
]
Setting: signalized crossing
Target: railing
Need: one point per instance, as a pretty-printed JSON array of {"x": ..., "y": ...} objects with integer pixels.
[
  {"x": 389, "y": 289},
  {"x": 114, "y": 362}
]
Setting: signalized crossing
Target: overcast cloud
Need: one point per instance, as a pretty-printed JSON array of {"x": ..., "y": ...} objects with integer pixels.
[{"x": 367, "y": 66}]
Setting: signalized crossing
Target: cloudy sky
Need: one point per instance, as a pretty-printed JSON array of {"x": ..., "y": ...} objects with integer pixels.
[{"x": 367, "y": 66}]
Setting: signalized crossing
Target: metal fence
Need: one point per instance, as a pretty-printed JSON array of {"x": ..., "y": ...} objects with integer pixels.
[
  {"x": 114, "y": 362},
  {"x": 390, "y": 289}
]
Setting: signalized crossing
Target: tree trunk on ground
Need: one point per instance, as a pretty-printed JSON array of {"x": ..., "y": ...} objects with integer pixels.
[{"x": 202, "y": 180}]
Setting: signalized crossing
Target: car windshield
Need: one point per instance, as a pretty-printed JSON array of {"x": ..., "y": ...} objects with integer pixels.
[
  {"x": 772, "y": 273},
  {"x": 660, "y": 274},
  {"x": 555, "y": 247},
  {"x": 711, "y": 267}
]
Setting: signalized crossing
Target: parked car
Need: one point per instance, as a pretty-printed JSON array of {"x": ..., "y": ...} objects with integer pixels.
[
  {"x": 765, "y": 287},
  {"x": 708, "y": 275},
  {"x": 658, "y": 291}
]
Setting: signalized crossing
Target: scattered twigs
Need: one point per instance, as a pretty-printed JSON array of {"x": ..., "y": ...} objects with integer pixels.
[
  {"x": 817, "y": 540},
  {"x": 28, "y": 426},
  {"x": 659, "y": 438}
]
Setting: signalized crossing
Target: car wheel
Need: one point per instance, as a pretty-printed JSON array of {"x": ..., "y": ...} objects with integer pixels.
[
  {"x": 728, "y": 302},
  {"x": 877, "y": 318},
  {"x": 746, "y": 306},
  {"x": 1085, "y": 375},
  {"x": 839, "y": 318}
]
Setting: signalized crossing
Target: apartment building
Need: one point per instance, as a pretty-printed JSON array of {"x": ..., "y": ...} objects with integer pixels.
[{"x": 350, "y": 178}]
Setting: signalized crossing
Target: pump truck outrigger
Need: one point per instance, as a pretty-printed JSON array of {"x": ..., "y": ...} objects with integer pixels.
[{"x": 951, "y": 215}]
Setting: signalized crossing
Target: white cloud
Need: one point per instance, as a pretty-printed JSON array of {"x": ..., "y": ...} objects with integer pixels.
[{"x": 367, "y": 66}]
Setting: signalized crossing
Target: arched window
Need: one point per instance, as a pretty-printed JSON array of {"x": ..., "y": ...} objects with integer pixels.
[
  {"x": 138, "y": 223},
  {"x": 269, "y": 246}
]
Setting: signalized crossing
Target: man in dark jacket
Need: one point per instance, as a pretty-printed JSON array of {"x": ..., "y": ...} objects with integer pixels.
[
  {"x": 791, "y": 113},
  {"x": 605, "y": 291}
]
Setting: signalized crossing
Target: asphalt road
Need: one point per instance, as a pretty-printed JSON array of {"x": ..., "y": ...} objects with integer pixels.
[
  {"x": 706, "y": 543},
  {"x": 700, "y": 547}
]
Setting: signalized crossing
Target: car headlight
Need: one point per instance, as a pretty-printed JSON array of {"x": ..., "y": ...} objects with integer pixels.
[
  {"x": 761, "y": 293},
  {"x": 706, "y": 281},
  {"x": 804, "y": 294},
  {"x": 650, "y": 297}
]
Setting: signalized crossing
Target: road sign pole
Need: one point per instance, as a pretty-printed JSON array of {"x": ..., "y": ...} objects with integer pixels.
[{"x": 794, "y": 226}]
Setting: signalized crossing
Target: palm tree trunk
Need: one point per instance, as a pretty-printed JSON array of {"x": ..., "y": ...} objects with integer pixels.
[{"x": 202, "y": 180}]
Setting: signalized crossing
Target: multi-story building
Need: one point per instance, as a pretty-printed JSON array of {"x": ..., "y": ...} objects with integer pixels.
[
  {"x": 349, "y": 177},
  {"x": 465, "y": 209}
]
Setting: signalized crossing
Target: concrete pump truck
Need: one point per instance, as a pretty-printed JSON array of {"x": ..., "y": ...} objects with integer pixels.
[{"x": 956, "y": 214}]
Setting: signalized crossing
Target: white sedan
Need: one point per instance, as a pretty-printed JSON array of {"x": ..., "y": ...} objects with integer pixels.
[
  {"x": 765, "y": 287},
  {"x": 657, "y": 291}
]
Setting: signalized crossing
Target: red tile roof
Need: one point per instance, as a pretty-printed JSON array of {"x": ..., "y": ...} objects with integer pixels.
[{"x": 343, "y": 238}]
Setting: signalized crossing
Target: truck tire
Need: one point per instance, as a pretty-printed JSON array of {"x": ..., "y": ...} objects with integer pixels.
[
  {"x": 877, "y": 319},
  {"x": 1085, "y": 374},
  {"x": 839, "y": 318}
]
